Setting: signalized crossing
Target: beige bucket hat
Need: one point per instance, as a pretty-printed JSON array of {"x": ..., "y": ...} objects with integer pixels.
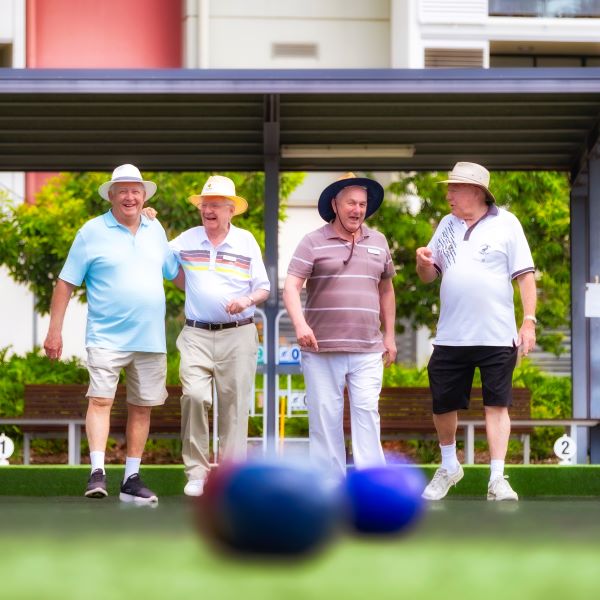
[
  {"x": 218, "y": 185},
  {"x": 127, "y": 173},
  {"x": 473, "y": 174}
]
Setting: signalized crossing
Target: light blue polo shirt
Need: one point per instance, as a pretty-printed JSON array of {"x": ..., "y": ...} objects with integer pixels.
[{"x": 123, "y": 274}]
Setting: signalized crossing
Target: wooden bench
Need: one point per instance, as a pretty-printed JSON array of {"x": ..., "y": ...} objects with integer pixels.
[
  {"x": 53, "y": 410},
  {"x": 406, "y": 411}
]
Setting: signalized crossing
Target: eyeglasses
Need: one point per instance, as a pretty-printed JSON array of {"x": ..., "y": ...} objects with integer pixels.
[{"x": 213, "y": 205}]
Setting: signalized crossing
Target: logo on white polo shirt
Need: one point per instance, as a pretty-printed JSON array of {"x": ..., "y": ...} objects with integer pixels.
[{"x": 482, "y": 251}]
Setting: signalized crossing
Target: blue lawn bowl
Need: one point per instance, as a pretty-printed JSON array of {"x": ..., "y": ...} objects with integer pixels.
[
  {"x": 269, "y": 508},
  {"x": 385, "y": 500}
]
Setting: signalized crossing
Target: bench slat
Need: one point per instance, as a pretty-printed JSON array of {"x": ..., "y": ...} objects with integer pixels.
[
  {"x": 408, "y": 409},
  {"x": 400, "y": 408},
  {"x": 69, "y": 401}
]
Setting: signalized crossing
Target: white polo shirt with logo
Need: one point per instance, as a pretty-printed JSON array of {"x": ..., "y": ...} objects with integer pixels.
[{"x": 478, "y": 265}]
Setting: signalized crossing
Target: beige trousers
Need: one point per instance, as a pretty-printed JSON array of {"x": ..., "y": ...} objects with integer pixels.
[{"x": 226, "y": 358}]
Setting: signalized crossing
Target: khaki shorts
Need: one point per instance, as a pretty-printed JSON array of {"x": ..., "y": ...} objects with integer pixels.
[{"x": 146, "y": 375}]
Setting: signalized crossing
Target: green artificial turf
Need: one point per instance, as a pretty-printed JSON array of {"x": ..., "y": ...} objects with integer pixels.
[
  {"x": 527, "y": 480},
  {"x": 532, "y": 480},
  {"x": 463, "y": 549},
  {"x": 62, "y": 480}
]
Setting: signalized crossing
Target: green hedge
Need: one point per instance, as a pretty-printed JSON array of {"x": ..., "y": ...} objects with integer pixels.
[
  {"x": 551, "y": 395},
  {"x": 16, "y": 371}
]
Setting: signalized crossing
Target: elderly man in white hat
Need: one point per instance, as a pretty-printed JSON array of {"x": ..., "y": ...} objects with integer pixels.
[
  {"x": 225, "y": 278},
  {"x": 478, "y": 249},
  {"x": 346, "y": 330},
  {"x": 122, "y": 256}
]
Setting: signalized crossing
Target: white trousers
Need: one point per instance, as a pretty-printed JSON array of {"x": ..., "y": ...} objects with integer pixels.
[{"x": 325, "y": 376}]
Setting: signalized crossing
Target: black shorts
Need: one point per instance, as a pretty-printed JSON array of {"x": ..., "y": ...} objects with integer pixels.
[{"x": 451, "y": 370}]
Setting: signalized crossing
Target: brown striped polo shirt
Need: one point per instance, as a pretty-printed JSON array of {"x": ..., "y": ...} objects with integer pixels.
[{"x": 342, "y": 306}]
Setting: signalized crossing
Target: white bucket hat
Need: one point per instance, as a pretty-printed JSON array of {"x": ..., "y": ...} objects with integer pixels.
[
  {"x": 473, "y": 174},
  {"x": 127, "y": 173},
  {"x": 217, "y": 185}
]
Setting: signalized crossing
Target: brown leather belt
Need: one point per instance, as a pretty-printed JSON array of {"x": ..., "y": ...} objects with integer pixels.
[{"x": 218, "y": 326}]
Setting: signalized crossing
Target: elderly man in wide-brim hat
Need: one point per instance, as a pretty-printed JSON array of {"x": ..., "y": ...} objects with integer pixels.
[
  {"x": 122, "y": 256},
  {"x": 346, "y": 331},
  {"x": 225, "y": 278},
  {"x": 478, "y": 250}
]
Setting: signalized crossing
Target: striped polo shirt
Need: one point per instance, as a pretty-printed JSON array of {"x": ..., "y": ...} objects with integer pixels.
[
  {"x": 216, "y": 275},
  {"x": 342, "y": 306}
]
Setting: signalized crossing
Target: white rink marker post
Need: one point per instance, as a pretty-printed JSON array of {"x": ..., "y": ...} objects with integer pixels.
[
  {"x": 7, "y": 447},
  {"x": 565, "y": 448}
]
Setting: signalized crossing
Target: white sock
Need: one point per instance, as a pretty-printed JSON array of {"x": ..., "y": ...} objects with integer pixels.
[
  {"x": 449, "y": 460},
  {"x": 497, "y": 469},
  {"x": 97, "y": 460},
  {"x": 132, "y": 466}
]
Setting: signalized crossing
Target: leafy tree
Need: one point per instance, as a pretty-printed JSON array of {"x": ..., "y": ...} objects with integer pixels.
[
  {"x": 36, "y": 237},
  {"x": 415, "y": 205}
]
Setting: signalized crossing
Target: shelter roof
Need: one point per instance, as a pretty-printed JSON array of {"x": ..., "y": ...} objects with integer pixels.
[{"x": 513, "y": 119}]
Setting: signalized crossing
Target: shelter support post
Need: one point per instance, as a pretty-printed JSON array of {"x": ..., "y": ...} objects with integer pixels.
[
  {"x": 594, "y": 324},
  {"x": 585, "y": 266},
  {"x": 580, "y": 332},
  {"x": 271, "y": 223}
]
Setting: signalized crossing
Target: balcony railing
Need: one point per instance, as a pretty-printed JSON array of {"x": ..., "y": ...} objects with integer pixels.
[{"x": 588, "y": 9}]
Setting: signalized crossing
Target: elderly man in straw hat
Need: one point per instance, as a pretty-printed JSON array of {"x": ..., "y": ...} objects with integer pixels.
[
  {"x": 225, "y": 278},
  {"x": 478, "y": 250},
  {"x": 348, "y": 272},
  {"x": 122, "y": 257}
]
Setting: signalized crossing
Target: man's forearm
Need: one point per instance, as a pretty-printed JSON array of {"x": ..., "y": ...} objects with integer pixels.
[
  {"x": 387, "y": 307},
  {"x": 528, "y": 291},
  {"x": 427, "y": 274},
  {"x": 259, "y": 296},
  {"x": 58, "y": 306},
  {"x": 293, "y": 304}
]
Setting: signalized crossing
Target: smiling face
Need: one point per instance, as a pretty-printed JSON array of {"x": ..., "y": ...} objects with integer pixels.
[
  {"x": 216, "y": 213},
  {"x": 127, "y": 199},
  {"x": 350, "y": 208}
]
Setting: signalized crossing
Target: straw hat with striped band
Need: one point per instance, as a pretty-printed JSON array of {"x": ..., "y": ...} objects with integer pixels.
[{"x": 218, "y": 185}]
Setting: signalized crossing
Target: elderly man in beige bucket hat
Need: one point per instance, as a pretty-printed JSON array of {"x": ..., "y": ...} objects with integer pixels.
[
  {"x": 478, "y": 249},
  {"x": 225, "y": 278}
]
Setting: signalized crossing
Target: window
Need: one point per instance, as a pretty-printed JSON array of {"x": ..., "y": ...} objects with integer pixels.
[
  {"x": 5, "y": 56},
  {"x": 453, "y": 57},
  {"x": 545, "y": 8}
]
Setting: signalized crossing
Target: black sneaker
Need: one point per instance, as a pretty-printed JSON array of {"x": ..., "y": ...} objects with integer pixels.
[
  {"x": 134, "y": 490},
  {"x": 96, "y": 485}
]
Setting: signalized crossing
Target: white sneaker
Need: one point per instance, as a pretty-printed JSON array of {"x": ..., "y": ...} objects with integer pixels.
[
  {"x": 499, "y": 489},
  {"x": 440, "y": 484},
  {"x": 194, "y": 487}
]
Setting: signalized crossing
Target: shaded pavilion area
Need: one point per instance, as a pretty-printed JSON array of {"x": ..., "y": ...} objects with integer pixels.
[{"x": 317, "y": 120}]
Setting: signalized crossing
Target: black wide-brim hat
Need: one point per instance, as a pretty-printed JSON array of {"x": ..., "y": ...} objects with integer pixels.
[{"x": 374, "y": 194}]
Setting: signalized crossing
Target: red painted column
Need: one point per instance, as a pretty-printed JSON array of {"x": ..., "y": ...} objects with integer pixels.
[{"x": 127, "y": 34}]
